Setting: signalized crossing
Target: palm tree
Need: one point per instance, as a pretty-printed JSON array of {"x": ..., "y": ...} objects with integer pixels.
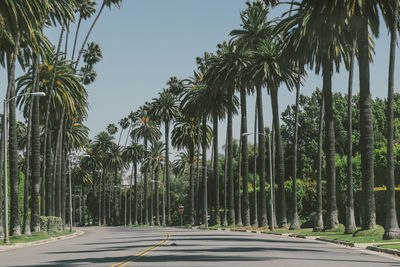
[
  {"x": 102, "y": 143},
  {"x": 186, "y": 135},
  {"x": 86, "y": 9},
  {"x": 319, "y": 223},
  {"x": 155, "y": 162},
  {"x": 195, "y": 103},
  {"x": 391, "y": 228},
  {"x": 256, "y": 27},
  {"x": 106, "y": 3},
  {"x": 165, "y": 109},
  {"x": 133, "y": 153},
  {"x": 233, "y": 60},
  {"x": 148, "y": 131},
  {"x": 350, "y": 219},
  {"x": 115, "y": 163}
]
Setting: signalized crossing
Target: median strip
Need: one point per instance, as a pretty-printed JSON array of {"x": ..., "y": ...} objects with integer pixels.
[{"x": 143, "y": 253}]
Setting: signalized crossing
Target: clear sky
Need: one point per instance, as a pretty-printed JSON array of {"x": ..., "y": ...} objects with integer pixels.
[{"x": 147, "y": 41}]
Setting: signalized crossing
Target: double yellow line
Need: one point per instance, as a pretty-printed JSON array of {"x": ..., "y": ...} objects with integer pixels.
[{"x": 143, "y": 253}]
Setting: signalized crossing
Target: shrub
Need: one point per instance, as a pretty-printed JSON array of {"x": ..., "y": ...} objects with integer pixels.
[
  {"x": 43, "y": 223},
  {"x": 51, "y": 224},
  {"x": 377, "y": 231}
]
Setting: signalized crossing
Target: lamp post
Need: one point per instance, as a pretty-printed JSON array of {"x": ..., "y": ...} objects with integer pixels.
[
  {"x": 5, "y": 107},
  {"x": 270, "y": 177}
]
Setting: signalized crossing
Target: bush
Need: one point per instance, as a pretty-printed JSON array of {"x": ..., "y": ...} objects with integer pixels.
[
  {"x": 43, "y": 223},
  {"x": 377, "y": 231},
  {"x": 51, "y": 224}
]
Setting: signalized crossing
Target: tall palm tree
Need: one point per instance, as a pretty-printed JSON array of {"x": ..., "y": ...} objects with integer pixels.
[
  {"x": 222, "y": 74},
  {"x": 195, "y": 103},
  {"x": 133, "y": 153},
  {"x": 225, "y": 72},
  {"x": 391, "y": 228},
  {"x": 106, "y": 3},
  {"x": 166, "y": 109},
  {"x": 256, "y": 27},
  {"x": 115, "y": 163},
  {"x": 270, "y": 68},
  {"x": 148, "y": 131},
  {"x": 155, "y": 161},
  {"x": 85, "y": 8},
  {"x": 186, "y": 135}
]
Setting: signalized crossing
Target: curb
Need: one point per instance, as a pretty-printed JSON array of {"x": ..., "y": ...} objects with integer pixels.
[
  {"x": 321, "y": 239},
  {"x": 384, "y": 250},
  {"x": 337, "y": 242},
  {"x": 40, "y": 242}
]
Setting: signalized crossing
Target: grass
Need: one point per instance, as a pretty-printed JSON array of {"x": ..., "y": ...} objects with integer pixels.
[{"x": 35, "y": 237}]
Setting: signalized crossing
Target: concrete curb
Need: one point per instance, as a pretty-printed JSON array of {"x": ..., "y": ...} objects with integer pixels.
[
  {"x": 338, "y": 242},
  {"x": 317, "y": 238},
  {"x": 384, "y": 250},
  {"x": 40, "y": 242}
]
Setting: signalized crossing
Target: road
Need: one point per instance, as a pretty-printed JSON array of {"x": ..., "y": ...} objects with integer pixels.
[{"x": 120, "y": 246}]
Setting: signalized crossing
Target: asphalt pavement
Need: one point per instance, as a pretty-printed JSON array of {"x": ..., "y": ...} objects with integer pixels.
[{"x": 127, "y": 246}]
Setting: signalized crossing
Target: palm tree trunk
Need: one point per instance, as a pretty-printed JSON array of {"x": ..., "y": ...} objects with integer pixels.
[
  {"x": 49, "y": 180},
  {"x": 261, "y": 158},
  {"x": 15, "y": 226},
  {"x": 191, "y": 173},
  {"x": 332, "y": 217},
  {"x": 216, "y": 168},
  {"x": 146, "y": 206},
  {"x": 63, "y": 184},
  {"x": 57, "y": 173},
  {"x": 27, "y": 228},
  {"x": 245, "y": 159},
  {"x": 89, "y": 32},
  {"x": 366, "y": 131},
  {"x": 350, "y": 219},
  {"x": 100, "y": 195},
  {"x": 197, "y": 185},
  {"x": 231, "y": 215},
  {"x": 48, "y": 104},
  {"x": 255, "y": 222},
  {"x": 1, "y": 178},
  {"x": 115, "y": 210},
  {"x": 295, "y": 217},
  {"x": 319, "y": 223},
  {"x": 35, "y": 190},
  {"x": 157, "y": 195},
  {"x": 152, "y": 198},
  {"x": 130, "y": 198},
  {"x": 280, "y": 165},
  {"x": 135, "y": 218},
  {"x": 273, "y": 154},
  {"x": 167, "y": 173},
  {"x": 204, "y": 170},
  {"x": 239, "y": 204},
  {"x": 225, "y": 218},
  {"x": 103, "y": 173},
  {"x": 76, "y": 37},
  {"x": 391, "y": 227}
]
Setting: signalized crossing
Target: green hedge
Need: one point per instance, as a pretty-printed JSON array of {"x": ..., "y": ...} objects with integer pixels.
[{"x": 51, "y": 224}]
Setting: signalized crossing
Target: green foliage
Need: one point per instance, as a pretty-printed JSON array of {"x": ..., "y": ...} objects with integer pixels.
[
  {"x": 44, "y": 223},
  {"x": 377, "y": 231},
  {"x": 51, "y": 224}
]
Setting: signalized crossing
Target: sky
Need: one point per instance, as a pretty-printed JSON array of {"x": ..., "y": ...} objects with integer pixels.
[{"x": 147, "y": 41}]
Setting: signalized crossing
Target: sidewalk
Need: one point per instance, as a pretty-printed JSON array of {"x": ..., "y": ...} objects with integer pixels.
[{"x": 40, "y": 242}]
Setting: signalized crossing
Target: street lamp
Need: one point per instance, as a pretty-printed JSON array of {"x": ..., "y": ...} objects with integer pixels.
[
  {"x": 5, "y": 116},
  {"x": 270, "y": 176}
]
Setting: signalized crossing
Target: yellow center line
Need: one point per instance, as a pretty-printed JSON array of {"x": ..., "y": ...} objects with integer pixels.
[{"x": 144, "y": 252}]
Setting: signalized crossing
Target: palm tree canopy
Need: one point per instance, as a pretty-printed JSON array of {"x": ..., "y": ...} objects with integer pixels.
[{"x": 164, "y": 107}]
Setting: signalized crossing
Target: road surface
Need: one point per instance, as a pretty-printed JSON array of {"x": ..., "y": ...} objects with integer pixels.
[{"x": 120, "y": 246}]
